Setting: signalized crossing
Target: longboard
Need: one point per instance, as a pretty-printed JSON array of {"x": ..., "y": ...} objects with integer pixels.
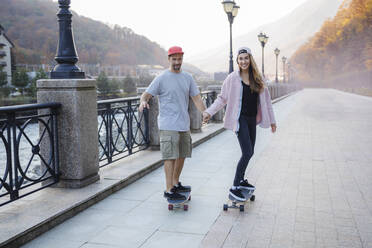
[
  {"x": 248, "y": 194},
  {"x": 172, "y": 204}
]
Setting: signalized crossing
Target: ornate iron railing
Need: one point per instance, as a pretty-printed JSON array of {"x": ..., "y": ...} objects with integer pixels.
[
  {"x": 29, "y": 156},
  {"x": 208, "y": 97},
  {"x": 122, "y": 129}
]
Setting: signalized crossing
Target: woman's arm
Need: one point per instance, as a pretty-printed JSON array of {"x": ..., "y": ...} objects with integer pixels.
[
  {"x": 220, "y": 101},
  {"x": 218, "y": 104}
]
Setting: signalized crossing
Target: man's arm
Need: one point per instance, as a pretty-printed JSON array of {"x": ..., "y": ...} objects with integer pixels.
[
  {"x": 144, "y": 102},
  {"x": 198, "y": 103}
]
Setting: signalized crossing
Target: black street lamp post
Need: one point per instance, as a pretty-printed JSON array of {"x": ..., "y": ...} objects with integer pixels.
[
  {"x": 66, "y": 53},
  {"x": 263, "y": 38},
  {"x": 231, "y": 10},
  {"x": 284, "y": 59},
  {"x": 277, "y": 52}
]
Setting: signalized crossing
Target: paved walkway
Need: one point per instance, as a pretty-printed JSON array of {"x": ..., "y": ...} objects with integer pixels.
[{"x": 313, "y": 179}]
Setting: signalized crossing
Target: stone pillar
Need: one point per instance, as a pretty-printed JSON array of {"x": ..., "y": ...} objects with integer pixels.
[
  {"x": 196, "y": 117},
  {"x": 153, "y": 120},
  {"x": 77, "y": 128},
  {"x": 217, "y": 117},
  {"x": 153, "y": 124}
]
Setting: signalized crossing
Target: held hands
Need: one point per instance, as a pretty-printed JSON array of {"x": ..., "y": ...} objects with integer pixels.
[
  {"x": 273, "y": 128},
  {"x": 206, "y": 117},
  {"x": 143, "y": 105}
]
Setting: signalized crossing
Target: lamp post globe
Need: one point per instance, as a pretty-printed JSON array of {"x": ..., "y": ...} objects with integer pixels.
[
  {"x": 228, "y": 6},
  {"x": 231, "y": 10},
  {"x": 235, "y": 10},
  {"x": 263, "y": 38},
  {"x": 277, "y": 52}
]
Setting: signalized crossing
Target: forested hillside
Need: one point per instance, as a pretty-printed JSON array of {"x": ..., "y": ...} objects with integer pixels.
[
  {"x": 32, "y": 26},
  {"x": 341, "y": 52}
]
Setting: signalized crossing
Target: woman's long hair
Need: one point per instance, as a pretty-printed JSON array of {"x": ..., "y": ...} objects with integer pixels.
[{"x": 255, "y": 79}]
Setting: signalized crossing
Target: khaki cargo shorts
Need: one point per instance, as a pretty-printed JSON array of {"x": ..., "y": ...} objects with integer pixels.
[{"x": 175, "y": 144}]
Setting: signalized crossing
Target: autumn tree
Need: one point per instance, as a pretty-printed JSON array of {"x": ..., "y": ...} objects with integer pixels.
[
  {"x": 342, "y": 46},
  {"x": 20, "y": 79},
  {"x": 40, "y": 74},
  {"x": 103, "y": 84},
  {"x": 3, "y": 78},
  {"x": 129, "y": 85},
  {"x": 4, "y": 88}
]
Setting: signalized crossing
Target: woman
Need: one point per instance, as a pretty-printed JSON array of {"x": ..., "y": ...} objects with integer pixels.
[{"x": 248, "y": 104}]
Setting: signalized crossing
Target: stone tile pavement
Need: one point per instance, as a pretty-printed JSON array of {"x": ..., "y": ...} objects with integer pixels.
[
  {"x": 313, "y": 180},
  {"x": 30, "y": 216}
]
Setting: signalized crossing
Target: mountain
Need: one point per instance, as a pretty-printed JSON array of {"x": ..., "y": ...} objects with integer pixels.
[
  {"x": 288, "y": 33},
  {"x": 341, "y": 52},
  {"x": 33, "y": 28}
]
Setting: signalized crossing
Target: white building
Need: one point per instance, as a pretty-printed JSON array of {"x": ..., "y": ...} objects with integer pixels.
[
  {"x": 152, "y": 70},
  {"x": 5, "y": 55}
]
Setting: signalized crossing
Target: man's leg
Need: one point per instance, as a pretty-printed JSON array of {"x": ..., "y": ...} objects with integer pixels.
[
  {"x": 169, "y": 168},
  {"x": 177, "y": 170},
  {"x": 185, "y": 152}
]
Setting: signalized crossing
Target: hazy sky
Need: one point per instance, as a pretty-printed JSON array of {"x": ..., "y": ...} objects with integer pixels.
[{"x": 196, "y": 25}]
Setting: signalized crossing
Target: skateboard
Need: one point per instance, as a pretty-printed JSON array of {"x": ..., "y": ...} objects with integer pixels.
[
  {"x": 172, "y": 204},
  {"x": 248, "y": 194}
]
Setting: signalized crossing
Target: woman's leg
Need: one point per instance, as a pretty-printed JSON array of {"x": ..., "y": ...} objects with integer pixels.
[
  {"x": 252, "y": 132},
  {"x": 246, "y": 145}
]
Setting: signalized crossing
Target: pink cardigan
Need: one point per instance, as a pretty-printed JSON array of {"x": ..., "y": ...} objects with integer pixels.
[{"x": 231, "y": 94}]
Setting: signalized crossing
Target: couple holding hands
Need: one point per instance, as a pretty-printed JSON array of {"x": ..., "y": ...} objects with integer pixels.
[{"x": 247, "y": 102}]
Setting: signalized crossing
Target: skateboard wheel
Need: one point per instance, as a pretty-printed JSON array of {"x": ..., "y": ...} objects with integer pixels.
[
  {"x": 253, "y": 197},
  {"x": 185, "y": 207},
  {"x": 170, "y": 207},
  {"x": 241, "y": 208},
  {"x": 225, "y": 207}
]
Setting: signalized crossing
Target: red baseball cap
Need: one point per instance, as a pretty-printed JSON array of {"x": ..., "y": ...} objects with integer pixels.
[{"x": 174, "y": 50}]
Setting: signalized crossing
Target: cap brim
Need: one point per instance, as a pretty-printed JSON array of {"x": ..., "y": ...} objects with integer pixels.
[{"x": 175, "y": 53}]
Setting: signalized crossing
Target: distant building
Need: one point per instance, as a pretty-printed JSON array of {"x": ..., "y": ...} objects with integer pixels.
[
  {"x": 5, "y": 54},
  {"x": 151, "y": 70},
  {"x": 220, "y": 76}
]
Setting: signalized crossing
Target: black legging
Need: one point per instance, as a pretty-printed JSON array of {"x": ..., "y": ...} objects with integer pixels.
[{"x": 247, "y": 139}]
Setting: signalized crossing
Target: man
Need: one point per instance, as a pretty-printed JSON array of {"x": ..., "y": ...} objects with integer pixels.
[{"x": 174, "y": 87}]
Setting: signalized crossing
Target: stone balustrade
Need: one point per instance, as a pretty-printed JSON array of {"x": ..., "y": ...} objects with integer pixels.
[{"x": 78, "y": 126}]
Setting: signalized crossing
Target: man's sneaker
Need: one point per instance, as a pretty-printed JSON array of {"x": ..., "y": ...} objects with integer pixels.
[
  {"x": 180, "y": 188},
  {"x": 245, "y": 185},
  {"x": 237, "y": 194},
  {"x": 174, "y": 196}
]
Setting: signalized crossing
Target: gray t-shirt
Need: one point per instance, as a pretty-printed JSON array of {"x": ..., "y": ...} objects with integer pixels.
[{"x": 174, "y": 90}]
